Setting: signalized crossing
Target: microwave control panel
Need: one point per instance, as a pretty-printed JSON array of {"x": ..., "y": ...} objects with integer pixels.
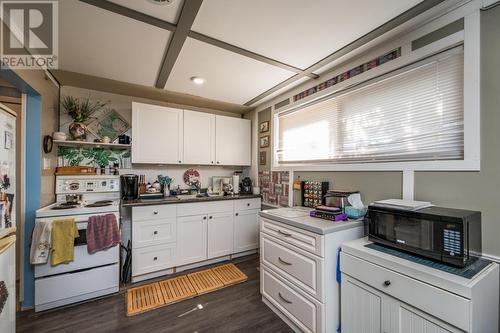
[{"x": 452, "y": 242}]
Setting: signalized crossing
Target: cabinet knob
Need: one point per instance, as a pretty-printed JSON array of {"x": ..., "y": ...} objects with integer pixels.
[
  {"x": 248, "y": 204},
  {"x": 155, "y": 212},
  {"x": 212, "y": 162},
  {"x": 387, "y": 283},
  {"x": 237, "y": 214},
  {"x": 180, "y": 161},
  {"x": 155, "y": 258},
  {"x": 204, "y": 217},
  {"x": 210, "y": 217},
  {"x": 218, "y": 162},
  {"x": 155, "y": 232}
]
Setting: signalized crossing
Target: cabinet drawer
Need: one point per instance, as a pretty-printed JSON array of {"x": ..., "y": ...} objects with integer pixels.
[
  {"x": 303, "y": 310},
  {"x": 301, "y": 238},
  {"x": 189, "y": 209},
  {"x": 244, "y": 204},
  {"x": 301, "y": 267},
  {"x": 439, "y": 303},
  {"x": 153, "y": 258},
  {"x": 153, "y": 212},
  {"x": 153, "y": 232}
]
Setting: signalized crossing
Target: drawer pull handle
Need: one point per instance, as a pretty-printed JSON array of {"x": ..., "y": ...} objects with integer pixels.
[
  {"x": 155, "y": 258},
  {"x": 285, "y": 233},
  {"x": 155, "y": 212},
  {"x": 284, "y": 299},
  {"x": 284, "y": 262},
  {"x": 387, "y": 283},
  {"x": 155, "y": 232}
]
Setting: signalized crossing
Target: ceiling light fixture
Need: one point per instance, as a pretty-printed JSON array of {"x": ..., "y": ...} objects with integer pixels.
[
  {"x": 197, "y": 80},
  {"x": 161, "y": 2}
]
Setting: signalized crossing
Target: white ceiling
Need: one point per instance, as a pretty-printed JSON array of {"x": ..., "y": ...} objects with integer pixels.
[
  {"x": 296, "y": 32},
  {"x": 229, "y": 77},
  {"x": 98, "y": 42},
  {"x": 167, "y": 11}
]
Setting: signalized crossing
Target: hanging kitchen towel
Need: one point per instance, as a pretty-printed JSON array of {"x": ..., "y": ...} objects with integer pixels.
[
  {"x": 64, "y": 233},
  {"x": 102, "y": 233},
  {"x": 41, "y": 242}
]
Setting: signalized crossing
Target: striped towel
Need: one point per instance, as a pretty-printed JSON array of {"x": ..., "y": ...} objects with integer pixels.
[{"x": 102, "y": 233}]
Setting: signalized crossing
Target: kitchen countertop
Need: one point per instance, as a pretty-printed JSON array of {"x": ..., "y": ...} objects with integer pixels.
[
  {"x": 299, "y": 217},
  {"x": 174, "y": 200}
]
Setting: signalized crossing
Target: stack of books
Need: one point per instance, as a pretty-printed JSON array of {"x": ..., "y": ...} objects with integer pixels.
[{"x": 328, "y": 213}]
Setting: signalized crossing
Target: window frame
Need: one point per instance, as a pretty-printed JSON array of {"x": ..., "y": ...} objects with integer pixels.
[{"x": 470, "y": 38}]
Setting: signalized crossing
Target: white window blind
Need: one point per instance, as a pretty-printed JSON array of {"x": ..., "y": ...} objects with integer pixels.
[{"x": 413, "y": 114}]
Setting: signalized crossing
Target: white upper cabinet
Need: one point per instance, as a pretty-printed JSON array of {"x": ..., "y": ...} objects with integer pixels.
[
  {"x": 199, "y": 138},
  {"x": 157, "y": 134},
  {"x": 233, "y": 141}
]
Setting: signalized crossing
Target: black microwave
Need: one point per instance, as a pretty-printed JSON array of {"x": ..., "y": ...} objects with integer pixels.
[{"x": 451, "y": 236}]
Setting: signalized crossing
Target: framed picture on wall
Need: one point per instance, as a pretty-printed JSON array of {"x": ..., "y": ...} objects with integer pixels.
[
  {"x": 264, "y": 127},
  {"x": 264, "y": 141},
  {"x": 262, "y": 158}
]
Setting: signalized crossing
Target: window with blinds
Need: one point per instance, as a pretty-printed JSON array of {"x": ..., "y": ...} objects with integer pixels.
[{"x": 413, "y": 114}]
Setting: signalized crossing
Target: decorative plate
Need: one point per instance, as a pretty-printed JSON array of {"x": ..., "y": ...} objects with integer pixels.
[{"x": 191, "y": 177}]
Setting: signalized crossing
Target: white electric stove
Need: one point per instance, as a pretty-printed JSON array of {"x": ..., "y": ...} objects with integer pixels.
[{"x": 88, "y": 275}]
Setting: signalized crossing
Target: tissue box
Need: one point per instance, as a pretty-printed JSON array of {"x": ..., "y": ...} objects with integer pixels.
[{"x": 355, "y": 213}]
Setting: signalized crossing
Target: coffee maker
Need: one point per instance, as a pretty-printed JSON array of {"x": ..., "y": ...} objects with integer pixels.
[
  {"x": 129, "y": 187},
  {"x": 246, "y": 186}
]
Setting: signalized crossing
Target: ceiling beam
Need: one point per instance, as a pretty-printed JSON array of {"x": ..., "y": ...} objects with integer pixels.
[
  {"x": 395, "y": 22},
  {"x": 186, "y": 20},
  {"x": 246, "y": 53},
  {"x": 130, "y": 13}
]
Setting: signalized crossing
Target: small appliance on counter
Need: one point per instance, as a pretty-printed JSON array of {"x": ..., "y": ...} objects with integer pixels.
[
  {"x": 129, "y": 187},
  {"x": 328, "y": 213},
  {"x": 313, "y": 193},
  {"x": 246, "y": 186},
  {"x": 451, "y": 236},
  {"x": 339, "y": 198}
]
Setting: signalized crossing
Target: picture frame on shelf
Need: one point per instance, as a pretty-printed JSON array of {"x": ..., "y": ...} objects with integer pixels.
[
  {"x": 264, "y": 127},
  {"x": 264, "y": 141},
  {"x": 262, "y": 158}
]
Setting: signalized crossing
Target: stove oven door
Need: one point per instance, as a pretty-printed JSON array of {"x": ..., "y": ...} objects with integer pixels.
[{"x": 83, "y": 260}]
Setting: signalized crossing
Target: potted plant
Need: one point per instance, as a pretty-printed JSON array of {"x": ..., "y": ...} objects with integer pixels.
[{"x": 80, "y": 110}]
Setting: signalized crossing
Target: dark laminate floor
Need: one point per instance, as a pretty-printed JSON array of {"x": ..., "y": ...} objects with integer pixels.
[{"x": 234, "y": 309}]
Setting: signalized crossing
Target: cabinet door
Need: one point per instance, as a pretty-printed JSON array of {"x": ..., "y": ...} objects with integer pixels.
[
  {"x": 220, "y": 234},
  {"x": 199, "y": 138},
  {"x": 191, "y": 239},
  {"x": 403, "y": 318},
  {"x": 246, "y": 230},
  {"x": 361, "y": 309},
  {"x": 156, "y": 134},
  {"x": 232, "y": 141}
]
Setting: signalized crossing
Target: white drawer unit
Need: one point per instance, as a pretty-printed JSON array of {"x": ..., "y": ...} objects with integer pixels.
[
  {"x": 299, "y": 270},
  {"x": 299, "y": 266},
  {"x": 244, "y": 204},
  {"x": 410, "y": 297},
  {"x": 303, "y": 310},
  {"x": 153, "y": 258},
  {"x": 300, "y": 238},
  {"x": 146, "y": 213},
  {"x": 154, "y": 232}
]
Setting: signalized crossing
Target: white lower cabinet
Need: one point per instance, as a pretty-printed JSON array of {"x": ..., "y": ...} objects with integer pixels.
[
  {"x": 246, "y": 230},
  {"x": 383, "y": 293},
  {"x": 191, "y": 239},
  {"x": 220, "y": 234},
  {"x": 165, "y": 237}
]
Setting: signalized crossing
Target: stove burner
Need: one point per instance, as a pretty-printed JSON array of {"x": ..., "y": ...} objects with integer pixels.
[
  {"x": 63, "y": 206},
  {"x": 100, "y": 203}
]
